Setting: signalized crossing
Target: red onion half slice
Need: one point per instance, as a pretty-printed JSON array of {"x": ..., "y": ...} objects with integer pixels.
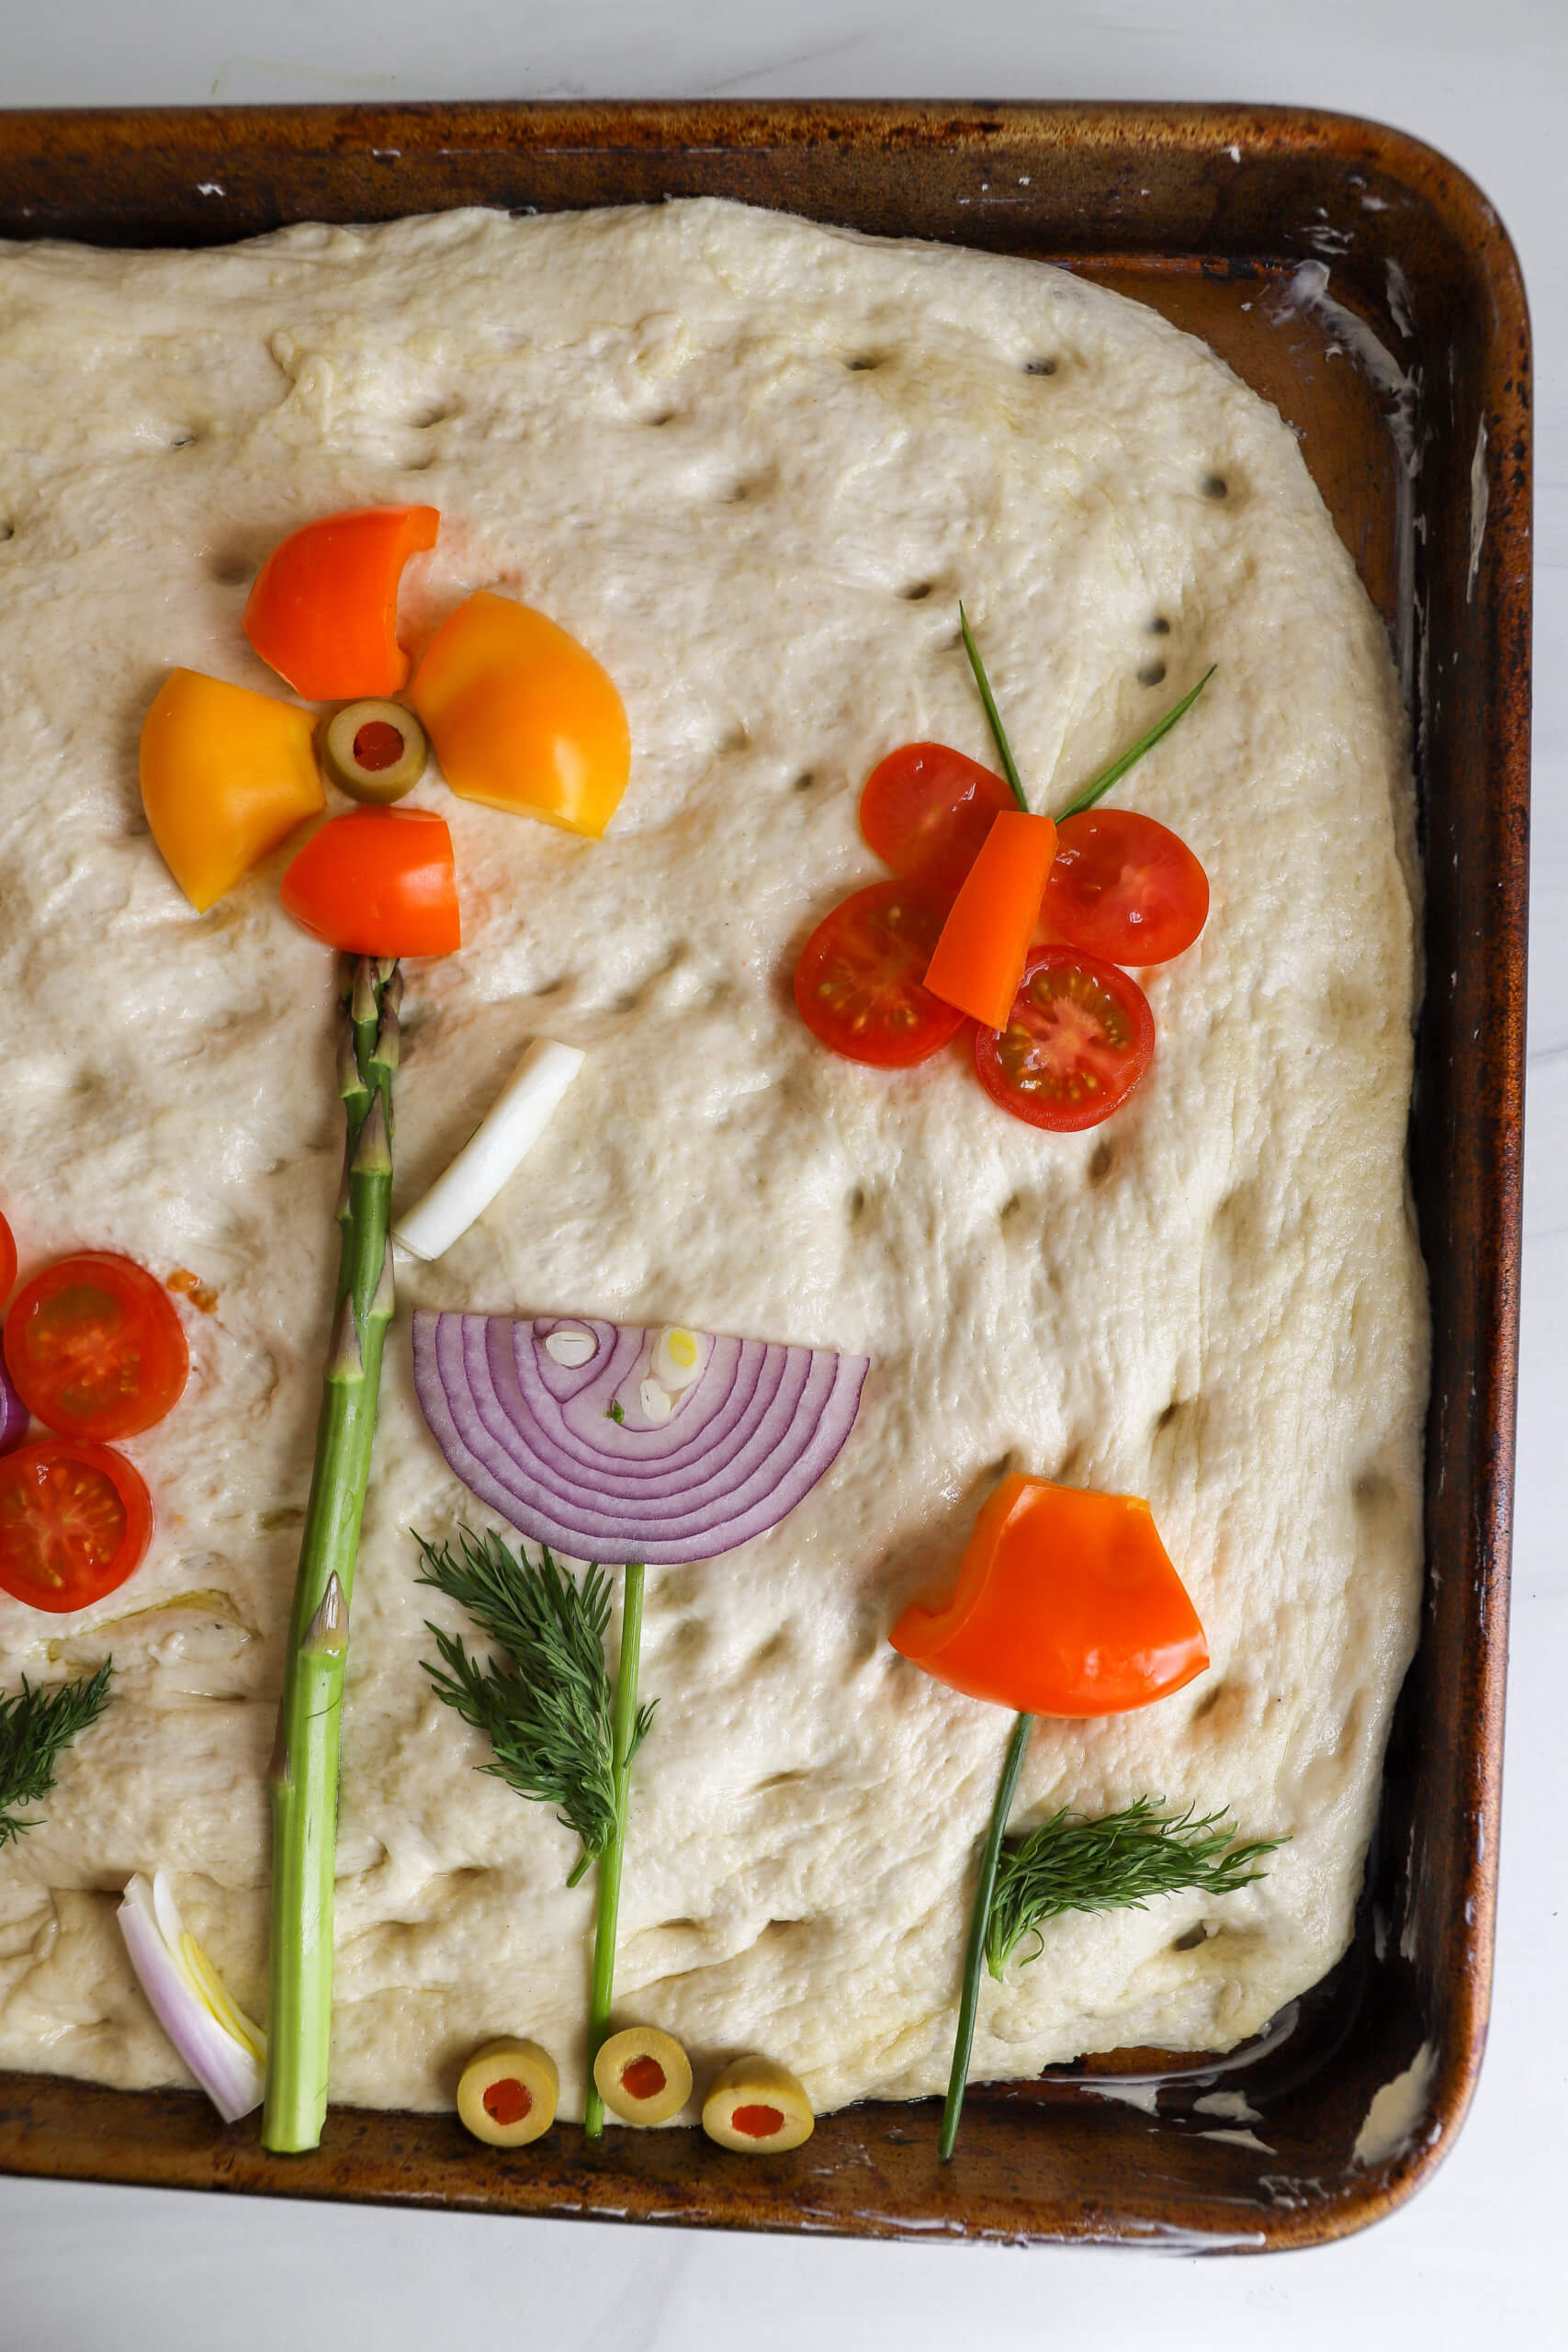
[
  {"x": 561, "y": 1443},
  {"x": 15, "y": 1418}
]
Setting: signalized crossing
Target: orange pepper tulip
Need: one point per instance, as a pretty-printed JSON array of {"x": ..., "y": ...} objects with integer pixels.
[
  {"x": 522, "y": 716},
  {"x": 978, "y": 960},
  {"x": 378, "y": 882},
  {"x": 226, "y": 774},
  {"x": 1065, "y": 1604},
  {"x": 323, "y": 609}
]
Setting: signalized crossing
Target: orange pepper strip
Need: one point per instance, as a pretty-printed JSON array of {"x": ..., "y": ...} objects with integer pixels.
[
  {"x": 522, "y": 716},
  {"x": 323, "y": 609},
  {"x": 979, "y": 958},
  {"x": 1065, "y": 1604},
  {"x": 379, "y": 882},
  {"x": 226, "y": 774}
]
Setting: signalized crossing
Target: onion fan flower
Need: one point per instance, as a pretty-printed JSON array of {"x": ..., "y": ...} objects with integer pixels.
[{"x": 223, "y": 2048}]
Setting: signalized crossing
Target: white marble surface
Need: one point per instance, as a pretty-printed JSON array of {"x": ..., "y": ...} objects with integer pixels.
[{"x": 1479, "y": 2252}]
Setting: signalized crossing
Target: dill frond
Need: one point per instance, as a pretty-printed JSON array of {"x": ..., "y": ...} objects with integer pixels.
[
  {"x": 36, "y": 1728},
  {"x": 543, "y": 1700},
  {"x": 1113, "y": 1865}
]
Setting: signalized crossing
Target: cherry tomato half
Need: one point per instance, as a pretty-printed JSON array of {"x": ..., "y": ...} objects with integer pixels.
[
  {"x": 96, "y": 1347},
  {"x": 380, "y": 882},
  {"x": 927, "y": 810},
  {"x": 75, "y": 1519},
  {"x": 859, "y": 984},
  {"x": 1124, "y": 887},
  {"x": 8, "y": 1261},
  {"x": 1079, "y": 1037}
]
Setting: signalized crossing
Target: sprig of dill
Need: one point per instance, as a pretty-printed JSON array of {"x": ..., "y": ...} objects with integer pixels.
[
  {"x": 544, "y": 1701},
  {"x": 1112, "y": 1864},
  {"x": 36, "y": 1728}
]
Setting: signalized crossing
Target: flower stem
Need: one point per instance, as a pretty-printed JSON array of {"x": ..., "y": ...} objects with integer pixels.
[
  {"x": 303, "y": 1775},
  {"x": 1004, "y": 749},
  {"x": 1097, "y": 787},
  {"x": 623, "y": 1738},
  {"x": 979, "y": 1919}
]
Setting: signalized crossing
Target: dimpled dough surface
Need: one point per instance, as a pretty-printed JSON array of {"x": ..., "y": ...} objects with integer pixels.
[{"x": 752, "y": 464}]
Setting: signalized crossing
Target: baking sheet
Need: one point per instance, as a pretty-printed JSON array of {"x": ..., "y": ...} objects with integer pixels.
[{"x": 1363, "y": 284}]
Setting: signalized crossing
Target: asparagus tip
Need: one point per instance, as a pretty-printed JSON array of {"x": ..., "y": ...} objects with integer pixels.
[
  {"x": 385, "y": 1299},
  {"x": 345, "y": 1360},
  {"x": 327, "y": 1633},
  {"x": 363, "y": 1007},
  {"x": 373, "y": 1152},
  {"x": 386, "y": 1052},
  {"x": 350, "y": 1084}
]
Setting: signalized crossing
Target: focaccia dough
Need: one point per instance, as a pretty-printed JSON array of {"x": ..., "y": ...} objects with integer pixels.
[{"x": 752, "y": 464}]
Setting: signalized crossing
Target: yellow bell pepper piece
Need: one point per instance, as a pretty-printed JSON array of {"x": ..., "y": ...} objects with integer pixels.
[
  {"x": 226, "y": 774},
  {"x": 522, "y": 715}
]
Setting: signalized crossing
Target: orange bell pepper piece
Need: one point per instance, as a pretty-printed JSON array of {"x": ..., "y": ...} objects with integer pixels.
[
  {"x": 377, "y": 882},
  {"x": 979, "y": 961},
  {"x": 226, "y": 774},
  {"x": 1065, "y": 1604},
  {"x": 323, "y": 609},
  {"x": 522, "y": 716}
]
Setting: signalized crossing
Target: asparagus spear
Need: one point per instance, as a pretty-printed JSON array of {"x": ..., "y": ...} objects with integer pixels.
[{"x": 303, "y": 1774}]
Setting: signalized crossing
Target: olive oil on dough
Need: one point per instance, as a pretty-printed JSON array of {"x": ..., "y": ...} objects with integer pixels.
[{"x": 752, "y": 464}]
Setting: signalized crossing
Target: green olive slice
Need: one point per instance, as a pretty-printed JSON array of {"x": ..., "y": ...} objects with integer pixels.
[
  {"x": 644, "y": 2075},
  {"x": 507, "y": 2094},
  {"x": 374, "y": 751},
  {"x": 757, "y": 2108}
]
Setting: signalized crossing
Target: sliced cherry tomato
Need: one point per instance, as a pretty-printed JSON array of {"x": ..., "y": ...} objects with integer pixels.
[
  {"x": 1079, "y": 1037},
  {"x": 8, "y": 1261},
  {"x": 1124, "y": 887},
  {"x": 859, "y": 984},
  {"x": 323, "y": 610},
  {"x": 380, "y": 882},
  {"x": 927, "y": 810},
  {"x": 1065, "y": 1604},
  {"x": 96, "y": 1347},
  {"x": 75, "y": 1519}
]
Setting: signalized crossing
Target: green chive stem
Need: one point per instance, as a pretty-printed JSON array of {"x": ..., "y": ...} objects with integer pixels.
[
  {"x": 624, "y": 1739},
  {"x": 1009, "y": 765},
  {"x": 980, "y": 1920},
  {"x": 1101, "y": 784}
]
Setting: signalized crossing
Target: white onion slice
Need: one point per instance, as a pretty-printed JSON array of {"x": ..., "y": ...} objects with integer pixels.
[
  {"x": 511, "y": 1125},
  {"x": 572, "y": 1455},
  {"x": 223, "y": 2048}
]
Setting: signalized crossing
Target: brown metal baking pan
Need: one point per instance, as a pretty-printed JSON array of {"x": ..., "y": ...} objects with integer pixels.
[{"x": 1208, "y": 213}]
